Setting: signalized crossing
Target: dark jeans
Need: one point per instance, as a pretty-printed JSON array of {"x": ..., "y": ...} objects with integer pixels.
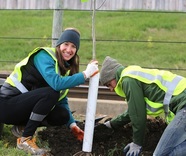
[{"x": 18, "y": 109}]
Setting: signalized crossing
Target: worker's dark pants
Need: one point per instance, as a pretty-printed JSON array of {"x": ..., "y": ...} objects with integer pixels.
[{"x": 18, "y": 109}]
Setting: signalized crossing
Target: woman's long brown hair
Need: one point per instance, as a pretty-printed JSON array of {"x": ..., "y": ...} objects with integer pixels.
[{"x": 73, "y": 63}]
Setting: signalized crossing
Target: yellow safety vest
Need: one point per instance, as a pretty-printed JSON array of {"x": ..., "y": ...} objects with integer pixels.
[
  {"x": 170, "y": 83},
  {"x": 16, "y": 76}
]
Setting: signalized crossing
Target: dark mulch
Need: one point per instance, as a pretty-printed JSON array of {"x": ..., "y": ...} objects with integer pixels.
[{"x": 106, "y": 142}]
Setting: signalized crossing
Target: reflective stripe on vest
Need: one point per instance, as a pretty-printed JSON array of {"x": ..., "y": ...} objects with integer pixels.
[
  {"x": 17, "y": 83},
  {"x": 15, "y": 78},
  {"x": 170, "y": 83}
]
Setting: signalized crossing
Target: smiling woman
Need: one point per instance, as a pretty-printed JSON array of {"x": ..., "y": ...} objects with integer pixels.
[{"x": 41, "y": 81}]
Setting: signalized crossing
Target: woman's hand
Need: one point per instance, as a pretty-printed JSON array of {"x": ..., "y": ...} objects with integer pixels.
[
  {"x": 91, "y": 70},
  {"x": 77, "y": 132}
]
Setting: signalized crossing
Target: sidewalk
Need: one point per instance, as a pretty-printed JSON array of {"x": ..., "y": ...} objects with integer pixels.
[{"x": 106, "y": 107}]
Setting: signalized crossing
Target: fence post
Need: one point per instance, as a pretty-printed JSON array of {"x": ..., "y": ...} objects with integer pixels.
[{"x": 57, "y": 22}]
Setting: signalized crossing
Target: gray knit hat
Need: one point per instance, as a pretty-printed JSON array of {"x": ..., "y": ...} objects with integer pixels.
[{"x": 108, "y": 70}]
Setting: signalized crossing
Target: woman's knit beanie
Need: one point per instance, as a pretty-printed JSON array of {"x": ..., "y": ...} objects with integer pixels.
[
  {"x": 108, "y": 70},
  {"x": 69, "y": 35}
]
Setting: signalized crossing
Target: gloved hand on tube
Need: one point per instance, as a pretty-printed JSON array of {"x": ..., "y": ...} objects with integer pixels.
[
  {"x": 132, "y": 149},
  {"x": 91, "y": 70},
  {"x": 77, "y": 132}
]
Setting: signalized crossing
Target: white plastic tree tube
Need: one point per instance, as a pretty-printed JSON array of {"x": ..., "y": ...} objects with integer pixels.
[{"x": 90, "y": 113}]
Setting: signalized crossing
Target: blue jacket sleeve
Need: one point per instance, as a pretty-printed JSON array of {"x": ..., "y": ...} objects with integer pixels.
[{"x": 46, "y": 66}]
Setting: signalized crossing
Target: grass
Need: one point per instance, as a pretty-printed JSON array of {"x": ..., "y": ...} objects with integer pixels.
[
  {"x": 8, "y": 143},
  {"x": 140, "y": 38}
]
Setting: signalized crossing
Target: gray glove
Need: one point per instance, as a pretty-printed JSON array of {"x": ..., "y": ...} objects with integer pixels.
[
  {"x": 108, "y": 124},
  {"x": 132, "y": 149}
]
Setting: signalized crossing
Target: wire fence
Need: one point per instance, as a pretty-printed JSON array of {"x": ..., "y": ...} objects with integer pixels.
[{"x": 49, "y": 39}]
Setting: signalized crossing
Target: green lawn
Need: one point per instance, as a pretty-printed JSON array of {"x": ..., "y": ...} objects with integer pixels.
[{"x": 154, "y": 40}]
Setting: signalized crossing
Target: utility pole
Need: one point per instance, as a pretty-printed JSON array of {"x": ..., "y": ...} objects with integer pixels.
[{"x": 57, "y": 21}]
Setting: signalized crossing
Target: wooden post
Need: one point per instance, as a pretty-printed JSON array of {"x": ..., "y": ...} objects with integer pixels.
[
  {"x": 93, "y": 31},
  {"x": 57, "y": 22}
]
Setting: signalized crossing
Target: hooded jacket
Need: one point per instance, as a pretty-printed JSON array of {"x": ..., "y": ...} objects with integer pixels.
[{"x": 135, "y": 91}]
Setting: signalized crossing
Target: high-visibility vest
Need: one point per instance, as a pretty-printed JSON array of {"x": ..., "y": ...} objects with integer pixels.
[
  {"x": 16, "y": 76},
  {"x": 170, "y": 83}
]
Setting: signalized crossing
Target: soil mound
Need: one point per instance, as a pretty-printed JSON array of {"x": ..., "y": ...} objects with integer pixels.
[{"x": 106, "y": 142}]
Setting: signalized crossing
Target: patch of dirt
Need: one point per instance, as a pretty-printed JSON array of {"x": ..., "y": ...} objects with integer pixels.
[{"x": 106, "y": 142}]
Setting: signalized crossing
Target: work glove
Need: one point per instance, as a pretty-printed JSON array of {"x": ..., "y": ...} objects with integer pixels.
[
  {"x": 132, "y": 149},
  {"x": 108, "y": 124},
  {"x": 77, "y": 132},
  {"x": 91, "y": 70}
]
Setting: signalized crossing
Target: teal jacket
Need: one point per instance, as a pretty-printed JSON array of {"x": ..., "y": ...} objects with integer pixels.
[{"x": 43, "y": 62}]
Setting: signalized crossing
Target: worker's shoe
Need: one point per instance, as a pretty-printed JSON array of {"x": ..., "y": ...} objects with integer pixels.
[
  {"x": 17, "y": 130},
  {"x": 28, "y": 145}
]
